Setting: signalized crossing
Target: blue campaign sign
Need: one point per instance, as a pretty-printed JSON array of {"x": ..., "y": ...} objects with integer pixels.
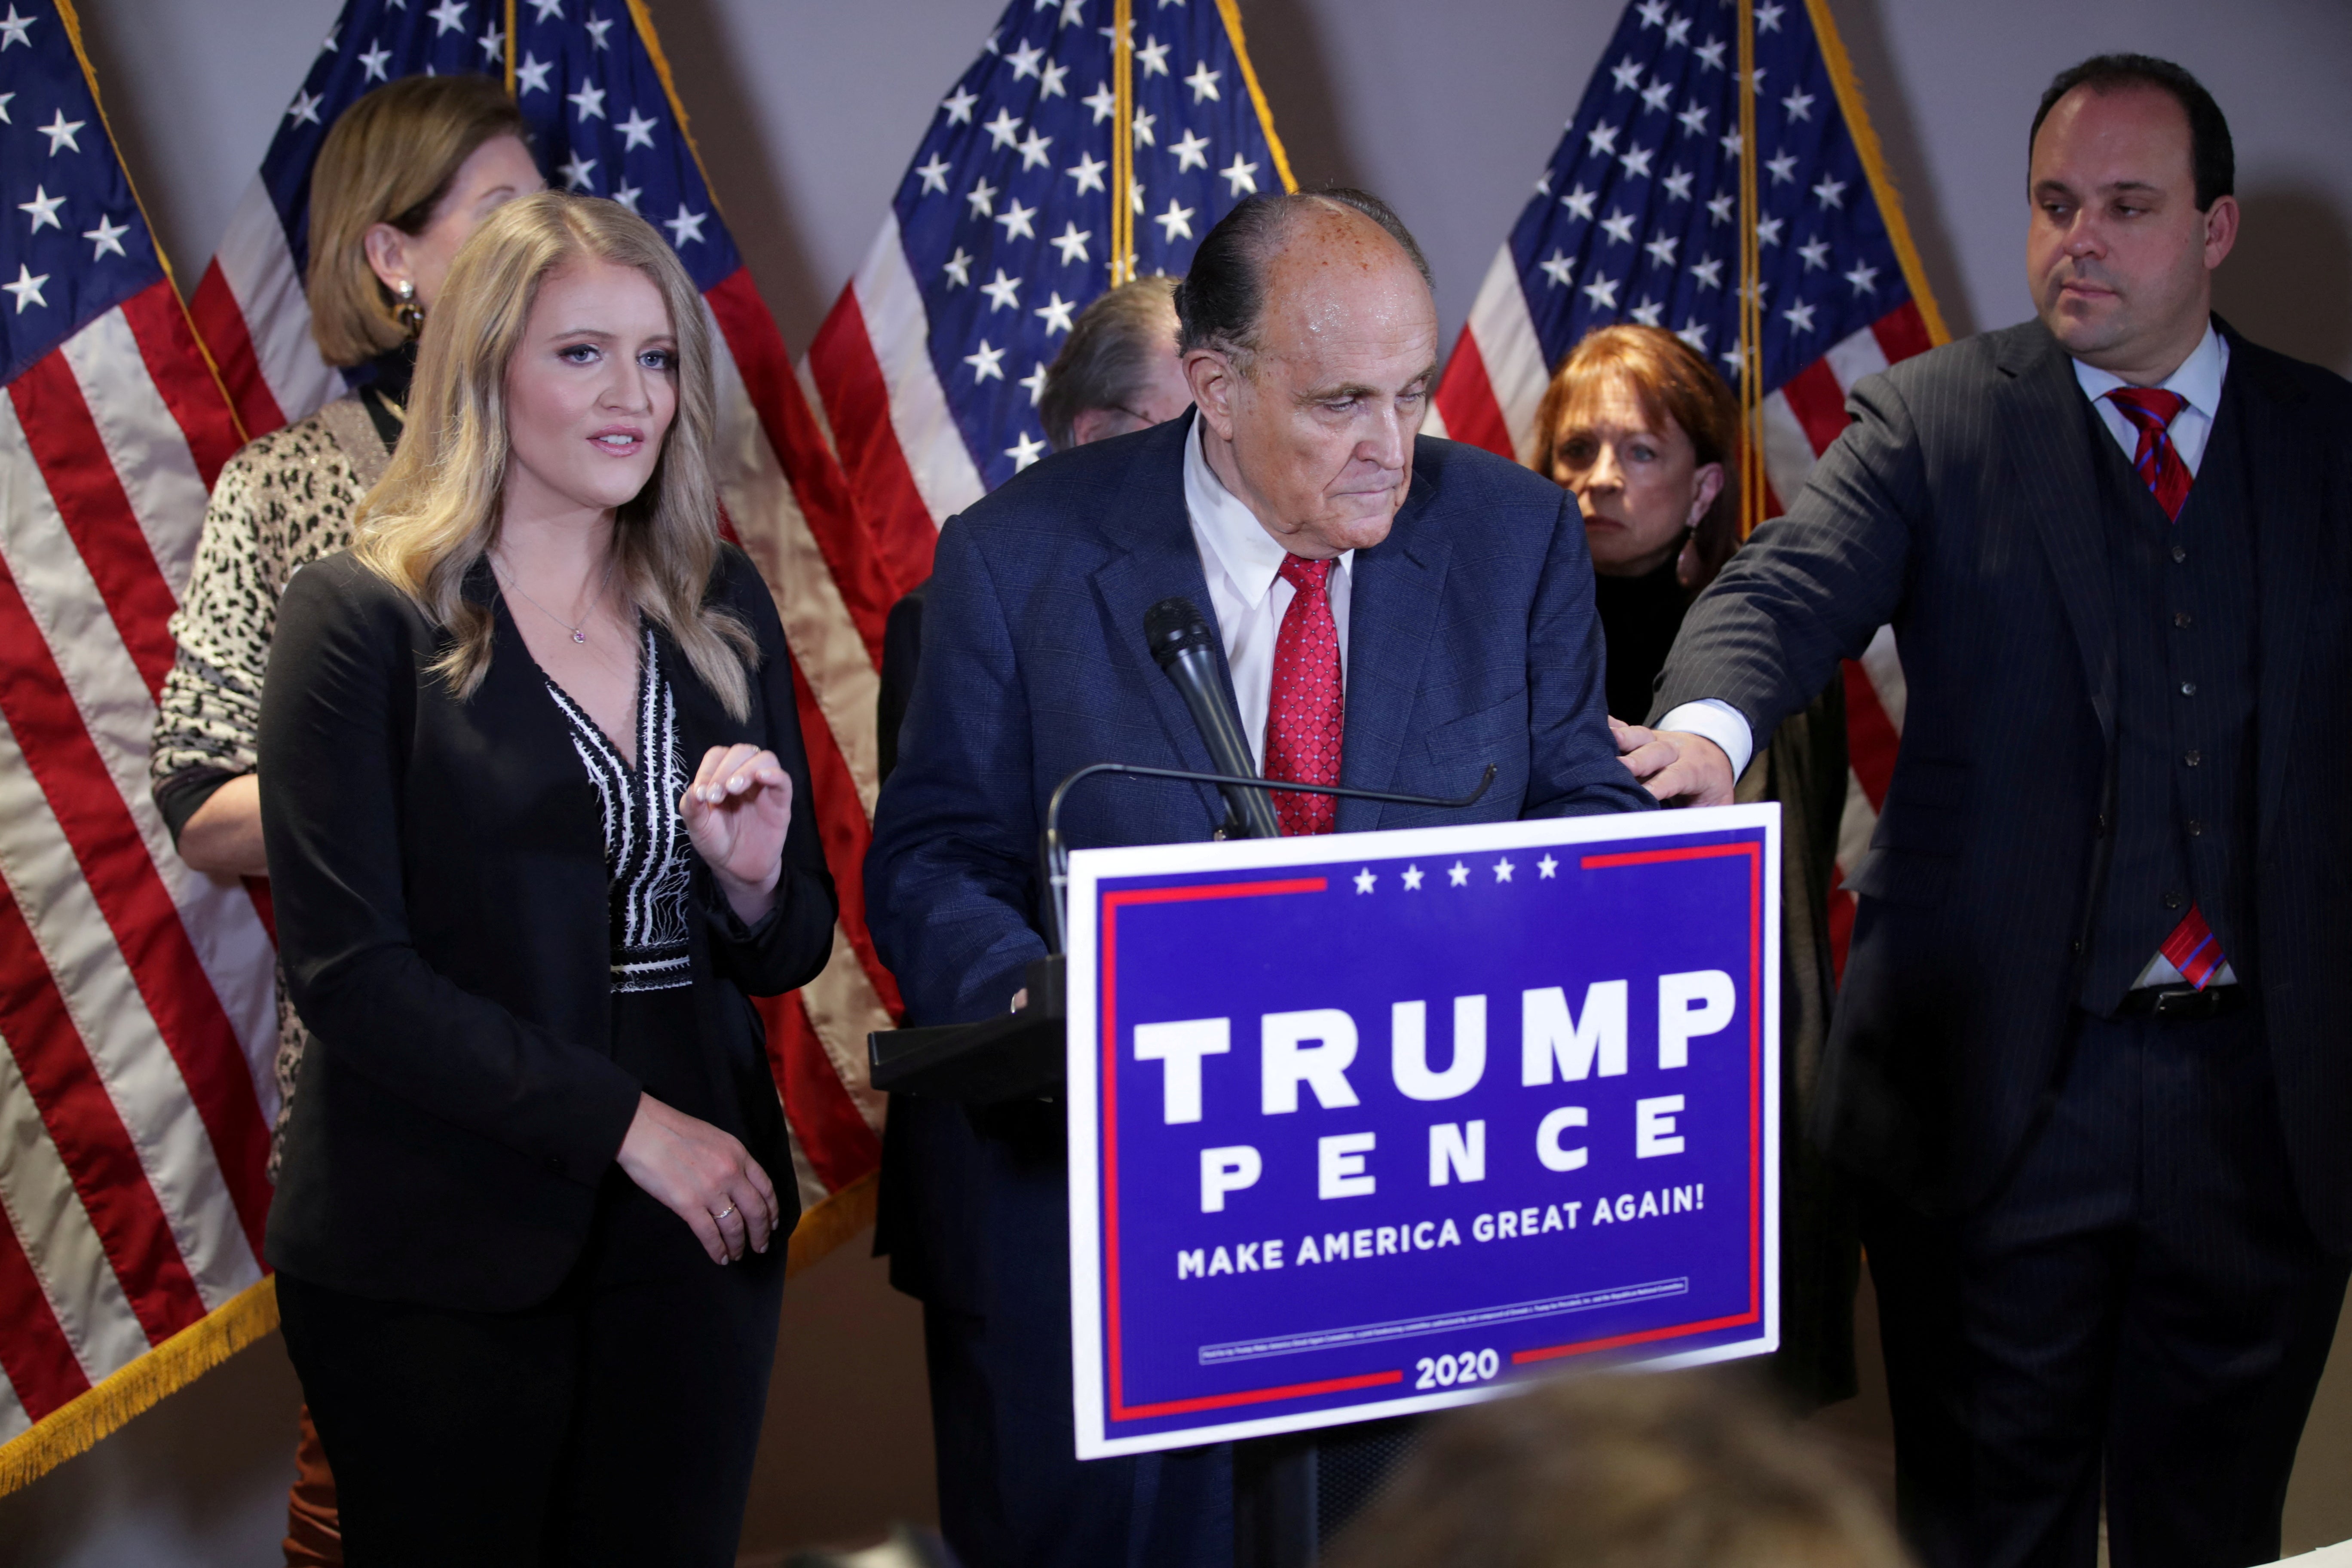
[{"x": 1368, "y": 1124}]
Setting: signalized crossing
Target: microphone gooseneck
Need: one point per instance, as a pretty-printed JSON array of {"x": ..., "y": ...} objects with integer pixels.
[{"x": 1180, "y": 638}]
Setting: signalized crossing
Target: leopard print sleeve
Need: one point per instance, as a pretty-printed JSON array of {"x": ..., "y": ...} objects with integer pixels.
[{"x": 283, "y": 500}]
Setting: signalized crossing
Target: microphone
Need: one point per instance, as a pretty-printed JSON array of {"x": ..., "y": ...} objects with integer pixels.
[{"x": 1180, "y": 639}]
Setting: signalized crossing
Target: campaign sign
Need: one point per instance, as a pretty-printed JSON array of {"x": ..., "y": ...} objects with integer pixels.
[{"x": 1370, "y": 1124}]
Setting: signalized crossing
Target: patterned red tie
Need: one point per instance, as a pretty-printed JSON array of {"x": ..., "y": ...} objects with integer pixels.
[
  {"x": 2191, "y": 947},
  {"x": 1304, "y": 712},
  {"x": 2152, "y": 410}
]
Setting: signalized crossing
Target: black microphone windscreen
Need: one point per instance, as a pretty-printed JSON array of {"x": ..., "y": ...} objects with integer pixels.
[{"x": 1174, "y": 627}]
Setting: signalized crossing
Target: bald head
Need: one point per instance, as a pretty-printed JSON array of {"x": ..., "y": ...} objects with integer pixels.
[
  {"x": 1222, "y": 297},
  {"x": 1310, "y": 345}
]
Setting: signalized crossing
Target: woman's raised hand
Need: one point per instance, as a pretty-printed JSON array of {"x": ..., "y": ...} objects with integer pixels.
[
  {"x": 701, "y": 1174},
  {"x": 737, "y": 811}
]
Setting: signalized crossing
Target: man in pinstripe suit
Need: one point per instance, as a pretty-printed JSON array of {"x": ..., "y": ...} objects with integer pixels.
[{"x": 2092, "y": 1059}]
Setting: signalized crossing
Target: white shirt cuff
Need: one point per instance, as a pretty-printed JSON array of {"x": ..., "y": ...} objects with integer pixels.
[{"x": 1718, "y": 721}]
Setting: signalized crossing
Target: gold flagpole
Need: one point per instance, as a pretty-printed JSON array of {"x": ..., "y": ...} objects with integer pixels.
[
  {"x": 509, "y": 43},
  {"x": 1122, "y": 144},
  {"x": 1751, "y": 310}
]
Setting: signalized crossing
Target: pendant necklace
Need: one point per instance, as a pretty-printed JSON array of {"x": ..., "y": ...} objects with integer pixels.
[{"x": 578, "y": 635}]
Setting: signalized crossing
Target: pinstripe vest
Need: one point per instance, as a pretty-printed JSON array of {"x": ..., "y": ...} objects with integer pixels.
[{"x": 2182, "y": 816}]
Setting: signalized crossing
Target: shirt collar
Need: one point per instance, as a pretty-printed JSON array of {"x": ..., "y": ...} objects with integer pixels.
[
  {"x": 1250, "y": 557},
  {"x": 2199, "y": 379}
]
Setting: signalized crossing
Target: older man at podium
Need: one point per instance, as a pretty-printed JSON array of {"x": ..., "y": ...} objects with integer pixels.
[{"x": 1394, "y": 613}]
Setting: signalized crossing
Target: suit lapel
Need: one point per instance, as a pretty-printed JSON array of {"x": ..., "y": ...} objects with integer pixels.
[
  {"x": 1392, "y": 608},
  {"x": 2049, "y": 474},
  {"x": 1156, "y": 559},
  {"x": 2284, "y": 484}
]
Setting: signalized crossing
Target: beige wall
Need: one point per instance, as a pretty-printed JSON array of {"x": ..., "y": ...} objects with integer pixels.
[{"x": 808, "y": 110}]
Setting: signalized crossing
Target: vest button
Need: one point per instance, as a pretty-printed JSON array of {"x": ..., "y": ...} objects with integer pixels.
[
  {"x": 2077, "y": 947},
  {"x": 2172, "y": 900},
  {"x": 2190, "y": 759},
  {"x": 2181, "y": 617},
  {"x": 2189, "y": 689},
  {"x": 2099, "y": 825},
  {"x": 2181, "y": 553},
  {"x": 2196, "y": 828}
]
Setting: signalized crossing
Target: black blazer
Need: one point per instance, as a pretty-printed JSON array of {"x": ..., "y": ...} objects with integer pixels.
[
  {"x": 1962, "y": 506},
  {"x": 438, "y": 869}
]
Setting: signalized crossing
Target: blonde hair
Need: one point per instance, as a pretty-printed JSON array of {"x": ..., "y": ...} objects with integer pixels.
[
  {"x": 391, "y": 158},
  {"x": 437, "y": 510}
]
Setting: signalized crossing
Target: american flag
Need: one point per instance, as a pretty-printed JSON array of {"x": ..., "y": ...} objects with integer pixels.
[
  {"x": 1638, "y": 216},
  {"x": 1091, "y": 142},
  {"x": 591, "y": 79},
  {"x": 135, "y": 1007}
]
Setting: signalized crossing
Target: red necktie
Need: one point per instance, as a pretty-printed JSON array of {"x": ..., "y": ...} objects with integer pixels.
[
  {"x": 2191, "y": 947},
  {"x": 2153, "y": 410},
  {"x": 1304, "y": 711}
]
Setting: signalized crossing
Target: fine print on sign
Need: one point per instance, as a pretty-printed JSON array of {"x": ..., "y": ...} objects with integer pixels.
[{"x": 1370, "y": 1124}]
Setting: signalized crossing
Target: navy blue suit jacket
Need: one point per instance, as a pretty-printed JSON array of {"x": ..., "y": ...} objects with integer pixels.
[{"x": 1472, "y": 639}]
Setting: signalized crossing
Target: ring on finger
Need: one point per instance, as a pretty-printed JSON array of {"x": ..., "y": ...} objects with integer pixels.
[{"x": 722, "y": 1213}]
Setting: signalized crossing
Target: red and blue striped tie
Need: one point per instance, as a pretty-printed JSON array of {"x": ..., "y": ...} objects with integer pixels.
[{"x": 2191, "y": 947}]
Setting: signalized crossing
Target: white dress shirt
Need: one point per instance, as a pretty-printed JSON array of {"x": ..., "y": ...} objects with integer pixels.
[
  {"x": 2199, "y": 379},
  {"x": 1248, "y": 595}
]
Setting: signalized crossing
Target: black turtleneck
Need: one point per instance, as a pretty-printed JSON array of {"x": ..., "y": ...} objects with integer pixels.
[
  {"x": 1639, "y": 618},
  {"x": 383, "y": 390}
]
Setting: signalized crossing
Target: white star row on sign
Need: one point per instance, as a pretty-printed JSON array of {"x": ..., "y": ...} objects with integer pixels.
[{"x": 1458, "y": 875}]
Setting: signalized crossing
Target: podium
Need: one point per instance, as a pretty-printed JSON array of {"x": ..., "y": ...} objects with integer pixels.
[{"x": 1367, "y": 1125}]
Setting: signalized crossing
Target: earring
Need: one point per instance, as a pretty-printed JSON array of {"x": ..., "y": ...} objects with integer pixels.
[{"x": 408, "y": 312}]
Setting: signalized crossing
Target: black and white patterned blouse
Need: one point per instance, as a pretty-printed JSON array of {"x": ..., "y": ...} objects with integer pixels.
[{"x": 645, "y": 847}]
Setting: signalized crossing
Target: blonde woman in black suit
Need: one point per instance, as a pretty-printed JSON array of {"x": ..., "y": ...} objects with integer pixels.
[{"x": 534, "y": 800}]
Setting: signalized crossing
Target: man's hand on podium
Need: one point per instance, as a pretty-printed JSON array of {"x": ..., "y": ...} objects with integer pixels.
[{"x": 1676, "y": 765}]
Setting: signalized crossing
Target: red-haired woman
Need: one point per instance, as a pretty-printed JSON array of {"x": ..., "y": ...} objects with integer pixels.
[{"x": 1639, "y": 426}]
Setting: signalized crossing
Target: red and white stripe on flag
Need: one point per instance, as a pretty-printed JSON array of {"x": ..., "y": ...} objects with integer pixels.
[
  {"x": 1564, "y": 270},
  {"x": 136, "y": 1024}
]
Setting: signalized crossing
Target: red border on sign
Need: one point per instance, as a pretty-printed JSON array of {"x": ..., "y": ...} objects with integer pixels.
[
  {"x": 1111, "y": 904},
  {"x": 1755, "y": 853}
]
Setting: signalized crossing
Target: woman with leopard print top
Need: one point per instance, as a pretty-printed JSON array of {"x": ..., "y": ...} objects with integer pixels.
[{"x": 404, "y": 177}]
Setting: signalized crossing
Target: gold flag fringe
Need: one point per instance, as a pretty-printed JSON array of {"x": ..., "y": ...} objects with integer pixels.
[
  {"x": 75, "y": 1427},
  {"x": 831, "y": 1223}
]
